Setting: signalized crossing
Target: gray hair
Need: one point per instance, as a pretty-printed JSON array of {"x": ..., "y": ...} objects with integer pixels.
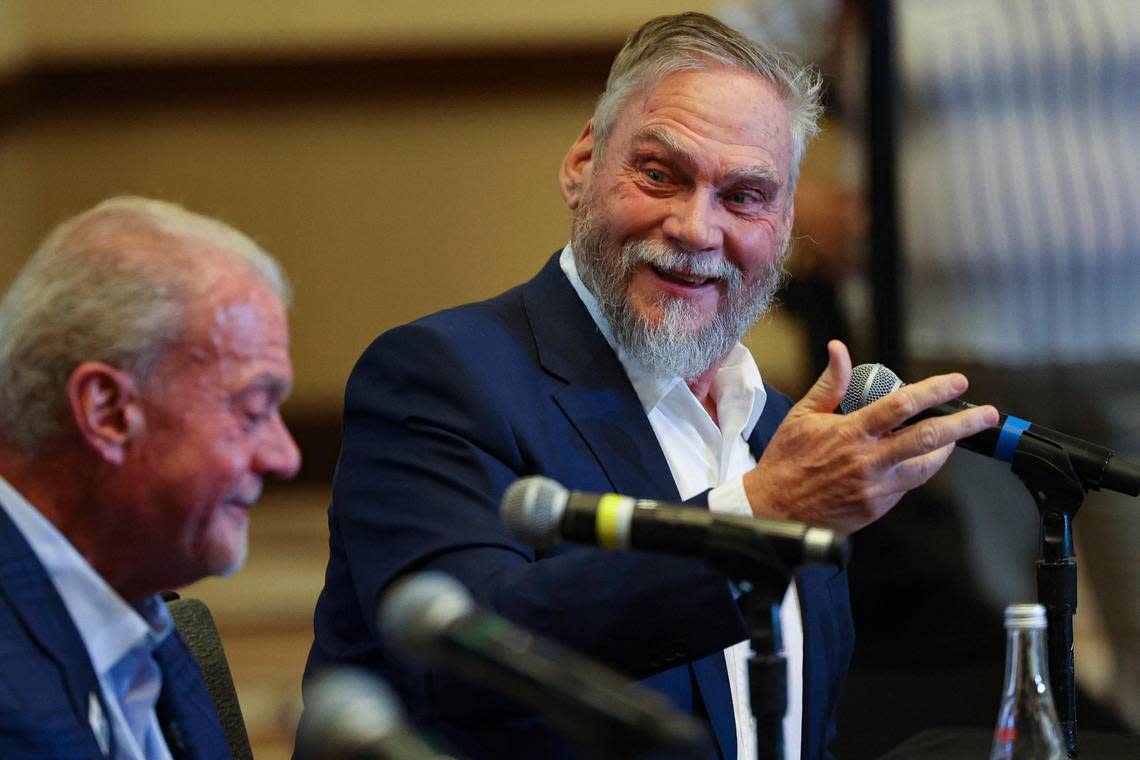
[
  {"x": 689, "y": 41},
  {"x": 112, "y": 284}
]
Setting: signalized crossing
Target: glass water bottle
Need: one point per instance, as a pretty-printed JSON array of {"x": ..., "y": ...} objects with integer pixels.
[{"x": 1027, "y": 725}]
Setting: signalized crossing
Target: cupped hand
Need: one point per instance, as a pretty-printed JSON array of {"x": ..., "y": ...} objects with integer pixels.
[{"x": 846, "y": 471}]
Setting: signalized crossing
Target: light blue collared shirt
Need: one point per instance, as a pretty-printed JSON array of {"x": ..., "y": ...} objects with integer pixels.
[{"x": 119, "y": 638}]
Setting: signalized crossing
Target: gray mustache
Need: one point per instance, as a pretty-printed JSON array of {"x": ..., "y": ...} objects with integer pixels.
[{"x": 664, "y": 257}]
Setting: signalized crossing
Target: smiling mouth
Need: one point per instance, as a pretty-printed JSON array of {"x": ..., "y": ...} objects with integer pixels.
[
  {"x": 682, "y": 278},
  {"x": 243, "y": 502}
]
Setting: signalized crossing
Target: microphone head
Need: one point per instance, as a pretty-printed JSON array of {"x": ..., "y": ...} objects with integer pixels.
[
  {"x": 532, "y": 510},
  {"x": 417, "y": 609},
  {"x": 869, "y": 383},
  {"x": 346, "y": 710}
]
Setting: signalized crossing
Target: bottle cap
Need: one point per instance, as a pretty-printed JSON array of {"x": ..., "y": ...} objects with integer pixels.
[{"x": 1029, "y": 615}]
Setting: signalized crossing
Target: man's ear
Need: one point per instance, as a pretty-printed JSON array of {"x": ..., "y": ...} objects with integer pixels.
[
  {"x": 105, "y": 408},
  {"x": 574, "y": 174}
]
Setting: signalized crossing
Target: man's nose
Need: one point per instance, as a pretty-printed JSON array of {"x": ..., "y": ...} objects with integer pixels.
[
  {"x": 278, "y": 454},
  {"x": 692, "y": 223}
]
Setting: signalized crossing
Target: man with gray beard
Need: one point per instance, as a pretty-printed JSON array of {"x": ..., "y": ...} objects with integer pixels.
[
  {"x": 618, "y": 368},
  {"x": 667, "y": 347}
]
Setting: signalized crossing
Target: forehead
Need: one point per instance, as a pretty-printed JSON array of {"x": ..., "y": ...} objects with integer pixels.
[
  {"x": 721, "y": 116},
  {"x": 235, "y": 329}
]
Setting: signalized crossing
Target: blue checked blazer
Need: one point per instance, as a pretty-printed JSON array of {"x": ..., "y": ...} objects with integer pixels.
[{"x": 47, "y": 682}]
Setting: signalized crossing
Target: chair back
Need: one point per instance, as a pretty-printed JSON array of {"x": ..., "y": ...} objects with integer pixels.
[{"x": 196, "y": 626}]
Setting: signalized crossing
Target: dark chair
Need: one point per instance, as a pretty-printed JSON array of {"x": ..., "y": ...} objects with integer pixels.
[{"x": 196, "y": 626}]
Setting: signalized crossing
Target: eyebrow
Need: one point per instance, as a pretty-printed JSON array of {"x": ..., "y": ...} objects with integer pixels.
[
  {"x": 270, "y": 382},
  {"x": 744, "y": 175}
]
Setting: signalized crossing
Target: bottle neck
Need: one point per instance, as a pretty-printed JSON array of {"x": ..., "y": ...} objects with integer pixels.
[{"x": 1025, "y": 664}]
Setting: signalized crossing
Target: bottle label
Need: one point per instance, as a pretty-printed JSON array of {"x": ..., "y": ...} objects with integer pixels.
[{"x": 1005, "y": 734}]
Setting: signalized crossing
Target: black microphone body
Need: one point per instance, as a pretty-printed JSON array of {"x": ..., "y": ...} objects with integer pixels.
[
  {"x": 735, "y": 541},
  {"x": 1095, "y": 466},
  {"x": 431, "y": 615},
  {"x": 543, "y": 513}
]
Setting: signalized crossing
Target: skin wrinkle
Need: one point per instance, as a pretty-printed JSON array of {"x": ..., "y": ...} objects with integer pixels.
[
  {"x": 201, "y": 451},
  {"x": 757, "y": 175},
  {"x": 688, "y": 222},
  {"x": 172, "y": 364}
]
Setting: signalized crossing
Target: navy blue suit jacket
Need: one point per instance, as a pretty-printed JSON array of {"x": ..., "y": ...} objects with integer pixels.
[
  {"x": 443, "y": 414},
  {"x": 47, "y": 679}
]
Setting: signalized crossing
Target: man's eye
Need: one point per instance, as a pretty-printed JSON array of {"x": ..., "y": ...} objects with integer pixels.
[
  {"x": 742, "y": 197},
  {"x": 655, "y": 175},
  {"x": 255, "y": 417}
]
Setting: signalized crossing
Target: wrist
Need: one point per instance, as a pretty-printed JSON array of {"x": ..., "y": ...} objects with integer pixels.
[{"x": 763, "y": 499}]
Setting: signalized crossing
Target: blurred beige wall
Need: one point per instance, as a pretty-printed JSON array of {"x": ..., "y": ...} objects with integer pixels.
[
  {"x": 382, "y": 209},
  {"x": 429, "y": 182},
  {"x": 384, "y": 203},
  {"x": 132, "y": 27},
  {"x": 11, "y": 36}
]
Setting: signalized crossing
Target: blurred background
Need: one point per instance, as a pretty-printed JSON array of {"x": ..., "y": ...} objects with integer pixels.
[{"x": 399, "y": 157}]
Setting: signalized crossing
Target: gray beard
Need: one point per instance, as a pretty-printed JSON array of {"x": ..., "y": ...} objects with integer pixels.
[{"x": 671, "y": 347}]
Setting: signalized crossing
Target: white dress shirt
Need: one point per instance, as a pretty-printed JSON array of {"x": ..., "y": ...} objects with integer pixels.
[
  {"x": 703, "y": 456},
  {"x": 119, "y": 638}
]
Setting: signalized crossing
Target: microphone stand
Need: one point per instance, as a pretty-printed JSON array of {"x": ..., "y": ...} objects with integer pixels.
[
  {"x": 1058, "y": 491},
  {"x": 767, "y": 677},
  {"x": 763, "y": 578}
]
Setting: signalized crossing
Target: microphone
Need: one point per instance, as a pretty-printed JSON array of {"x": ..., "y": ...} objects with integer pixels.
[
  {"x": 1095, "y": 466},
  {"x": 431, "y": 615},
  {"x": 542, "y": 513},
  {"x": 351, "y": 715}
]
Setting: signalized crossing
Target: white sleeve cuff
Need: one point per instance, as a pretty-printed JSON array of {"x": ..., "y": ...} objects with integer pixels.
[{"x": 729, "y": 498}]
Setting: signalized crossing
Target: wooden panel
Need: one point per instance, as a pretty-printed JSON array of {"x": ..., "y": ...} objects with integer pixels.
[
  {"x": 389, "y": 183},
  {"x": 12, "y": 37},
  {"x": 132, "y": 28},
  {"x": 388, "y": 188}
]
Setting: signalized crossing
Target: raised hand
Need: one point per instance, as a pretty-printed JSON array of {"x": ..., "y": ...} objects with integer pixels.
[{"x": 846, "y": 471}]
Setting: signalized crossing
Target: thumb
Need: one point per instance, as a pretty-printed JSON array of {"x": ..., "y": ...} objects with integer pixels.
[{"x": 828, "y": 390}]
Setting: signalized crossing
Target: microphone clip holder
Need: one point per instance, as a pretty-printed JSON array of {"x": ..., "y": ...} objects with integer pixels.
[
  {"x": 1047, "y": 471},
  {"x": 743, "y": 555}
]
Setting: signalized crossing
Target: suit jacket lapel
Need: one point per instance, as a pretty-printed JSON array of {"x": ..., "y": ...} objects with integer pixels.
[
  {"x": 711, "y": 673},
  {"x": 597, "y": 397},
  {"x": 776, "y": 407},
  {"x": 35, "y": 600},
  {"x": 185, "y": 710},
  {"x": 603, "y": 407}
]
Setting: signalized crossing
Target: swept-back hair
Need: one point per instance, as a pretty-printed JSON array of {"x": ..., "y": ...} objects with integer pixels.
[
  {"x": 112, "y": 284},
  {"x": 689, "y": 41}
]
